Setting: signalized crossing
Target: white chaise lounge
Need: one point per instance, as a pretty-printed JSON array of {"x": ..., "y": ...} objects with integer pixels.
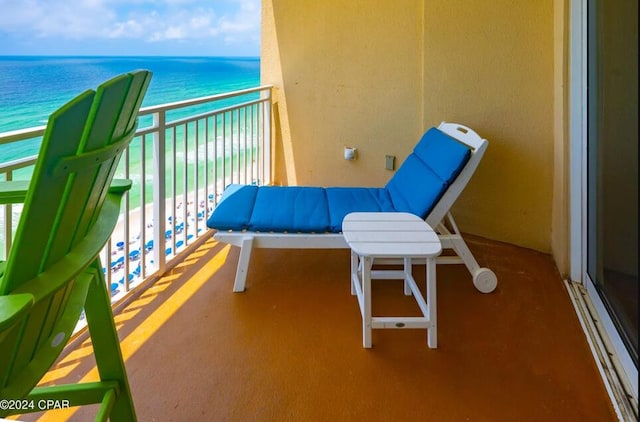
[{"x": 427, "y": 184}]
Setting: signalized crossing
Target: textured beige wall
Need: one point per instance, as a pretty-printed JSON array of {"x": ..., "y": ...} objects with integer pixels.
[
  {"x": 347, "y": 73},
  {"x": 374, "y": 75},
  {"x": 490, "y": 66}
]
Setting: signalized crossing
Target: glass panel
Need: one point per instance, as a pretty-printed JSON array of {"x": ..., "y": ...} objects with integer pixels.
[{"x": 612, "y": 167}]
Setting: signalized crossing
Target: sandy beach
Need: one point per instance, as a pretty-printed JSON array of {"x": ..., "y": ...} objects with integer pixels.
[{"x": 185, "y": 220}]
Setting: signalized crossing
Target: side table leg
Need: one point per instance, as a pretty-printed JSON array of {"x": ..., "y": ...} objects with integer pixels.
[
  {"x": 366, "y": 293},
  {"x": 407, "y": 272},
  {"x": 354, "y": 272},
  {"x": 432, "y": 331}
]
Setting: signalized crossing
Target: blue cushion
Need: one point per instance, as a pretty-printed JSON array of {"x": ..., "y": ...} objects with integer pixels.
[
  {"x": 343, "y": 200},
  {"x": 415, "y": 188},
  {"x": 234, "y": 209},
  {"x": 444, "y": 155},
  {"x": 424, "y": 177},
  {"x": 290, "y": 208}
]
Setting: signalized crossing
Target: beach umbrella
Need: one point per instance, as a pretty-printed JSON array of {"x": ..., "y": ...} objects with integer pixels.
[
  {"x": 168, "y": 251},
  {"x": 179, "y": 243},
  {"x": 114, "y": 286},
  {"x": 120, "y": 244},
  {"x": 190, "y": 237},
  {"x": 134, "y": 254},
  {"x": 120, "y": 260}
]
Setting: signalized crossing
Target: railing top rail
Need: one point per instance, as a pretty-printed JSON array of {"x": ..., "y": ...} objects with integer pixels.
[
  {"x": 215, "y": 112},
  {"x": 20, "y": 134},
  {"x": 32, "y": 132},
  {"x": 201, "y": 100},
  {"x": 17, "y": 164}
]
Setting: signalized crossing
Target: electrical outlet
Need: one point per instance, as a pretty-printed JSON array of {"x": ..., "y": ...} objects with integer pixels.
[{"x": 390, "y": 162}]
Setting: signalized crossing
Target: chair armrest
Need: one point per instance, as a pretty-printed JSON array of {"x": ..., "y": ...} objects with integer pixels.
[
  {"x": 120, "y": 186},
  {"x": 76, "y": 261},
  {"x": 13, "y": 308},
  {"x": 13, "y": 191}
]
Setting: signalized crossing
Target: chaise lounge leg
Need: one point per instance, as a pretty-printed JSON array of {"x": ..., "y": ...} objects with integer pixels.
[
  {"x": 484, "y": 279},
  {"x": 243, "y": 264}
]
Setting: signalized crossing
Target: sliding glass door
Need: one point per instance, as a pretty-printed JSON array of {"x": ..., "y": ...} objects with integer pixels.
[{"x": 612, "y": 163}]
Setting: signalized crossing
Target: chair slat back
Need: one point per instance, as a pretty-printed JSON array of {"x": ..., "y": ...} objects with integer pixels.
[
  {"x": 62, "y": 205},
  {"x": 53, "y": 271}
]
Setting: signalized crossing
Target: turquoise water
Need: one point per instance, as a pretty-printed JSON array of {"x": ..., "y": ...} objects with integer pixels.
[{"x": 32, "y": 87}]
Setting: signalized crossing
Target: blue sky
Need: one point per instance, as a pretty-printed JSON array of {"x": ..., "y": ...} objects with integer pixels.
[{"x": 130, "y": 27}]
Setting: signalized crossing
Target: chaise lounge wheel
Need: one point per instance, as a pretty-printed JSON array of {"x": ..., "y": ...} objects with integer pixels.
[{"x": 485, "y": 280}]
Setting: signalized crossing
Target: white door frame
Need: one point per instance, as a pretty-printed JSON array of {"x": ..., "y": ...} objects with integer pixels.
[{"x": 578, "y": 183}]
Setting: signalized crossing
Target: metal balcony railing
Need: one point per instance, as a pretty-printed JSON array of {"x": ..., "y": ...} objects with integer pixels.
[{"x": 182, "y": 157}]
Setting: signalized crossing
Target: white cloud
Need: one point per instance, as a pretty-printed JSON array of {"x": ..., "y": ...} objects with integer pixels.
[
  {"x": 144, "y": 20},
  {"x": 130, "y": 28},
  {"x": 55, "y": 18}
]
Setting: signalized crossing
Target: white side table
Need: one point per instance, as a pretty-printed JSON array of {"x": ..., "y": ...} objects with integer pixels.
[{"x": 372, "y": 235}]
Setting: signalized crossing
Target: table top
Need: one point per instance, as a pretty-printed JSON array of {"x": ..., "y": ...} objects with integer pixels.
[{"x": 390, "y": 235}]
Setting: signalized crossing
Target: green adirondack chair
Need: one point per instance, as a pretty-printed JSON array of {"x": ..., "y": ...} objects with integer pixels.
[{"x": 53, "y": 270}]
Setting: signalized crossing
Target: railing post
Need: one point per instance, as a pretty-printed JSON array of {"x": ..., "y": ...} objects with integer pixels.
[
  {"x": 160, "y": 189},
  {"x": 8, "y": 222},
  {"x": 267, "y": 143},
  {"x": 127, "y": 219}
]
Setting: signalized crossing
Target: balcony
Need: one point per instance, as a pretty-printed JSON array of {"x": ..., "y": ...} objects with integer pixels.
[{"x": 289, "y": 348}]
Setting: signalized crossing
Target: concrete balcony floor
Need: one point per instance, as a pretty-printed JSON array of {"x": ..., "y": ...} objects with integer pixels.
[{"x": 290, "y": 347}]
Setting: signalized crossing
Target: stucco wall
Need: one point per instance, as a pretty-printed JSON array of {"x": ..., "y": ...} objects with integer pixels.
[
  {"x": 490, "y": 66},
  {"x": 346, "y": 75},
  {"x": 374, "y": 75}
]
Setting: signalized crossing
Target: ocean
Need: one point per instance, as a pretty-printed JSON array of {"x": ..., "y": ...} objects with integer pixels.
[{"x": 32, "y": 87}]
